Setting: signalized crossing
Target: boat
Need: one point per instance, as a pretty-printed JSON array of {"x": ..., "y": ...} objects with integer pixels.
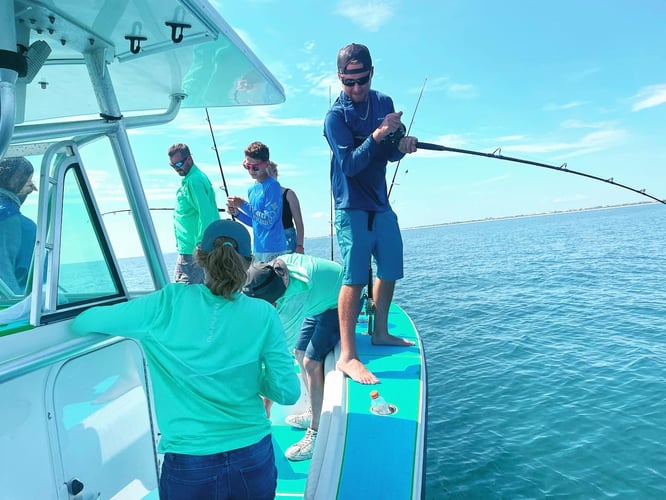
[{"x": 77, "y": 419}]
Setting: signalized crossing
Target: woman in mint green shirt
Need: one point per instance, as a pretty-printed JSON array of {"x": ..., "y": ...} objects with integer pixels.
[{"x": 213, "y": 353}]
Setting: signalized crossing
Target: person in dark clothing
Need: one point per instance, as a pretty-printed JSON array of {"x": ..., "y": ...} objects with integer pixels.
[
  {"x": 292, "y": 219},
  {"x": 17, "y": 232}
]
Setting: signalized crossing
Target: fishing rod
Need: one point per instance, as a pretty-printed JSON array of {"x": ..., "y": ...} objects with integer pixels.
[
  {"x": 407, "y": 133},
  {"x": 217, "y": 154},
  {"x": 497, "y": 155},
  {"x": 330, "y": 156},
  {"x": 129, "y": 210}
]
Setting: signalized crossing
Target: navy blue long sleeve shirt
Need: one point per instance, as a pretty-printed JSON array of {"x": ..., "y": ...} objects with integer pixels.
[{"x": 358, "y": 163}]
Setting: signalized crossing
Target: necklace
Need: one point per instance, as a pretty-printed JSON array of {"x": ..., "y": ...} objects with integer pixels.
[{"x": 367, "y": 110}]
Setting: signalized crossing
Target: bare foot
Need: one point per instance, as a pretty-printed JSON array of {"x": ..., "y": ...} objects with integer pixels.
[
  {"x": 357, "y": 371},
  {"x": 388, "y": 339}
]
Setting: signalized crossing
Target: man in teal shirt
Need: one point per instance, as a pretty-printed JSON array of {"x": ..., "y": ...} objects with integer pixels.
[{"x": 195, "y": 209}]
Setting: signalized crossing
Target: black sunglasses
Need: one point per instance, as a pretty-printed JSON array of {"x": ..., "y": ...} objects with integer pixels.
[
  {"x": 350, "y": 82},
  {"x": 180, "y": 163}
]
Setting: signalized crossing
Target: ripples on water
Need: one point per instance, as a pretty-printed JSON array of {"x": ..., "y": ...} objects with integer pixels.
[{"x": 545, "y": 347}]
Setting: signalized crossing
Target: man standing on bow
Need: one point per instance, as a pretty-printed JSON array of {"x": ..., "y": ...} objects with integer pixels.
[
  {"x": 359, "y": 128},
  {"x": 196, "y": 208}
]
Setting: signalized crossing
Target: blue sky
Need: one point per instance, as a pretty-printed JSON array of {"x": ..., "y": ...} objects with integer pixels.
[{"x": 582, "y": 82}]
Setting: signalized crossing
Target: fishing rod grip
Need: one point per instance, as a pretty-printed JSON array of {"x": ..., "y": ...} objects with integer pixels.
[{"x": 429, "y": 145}]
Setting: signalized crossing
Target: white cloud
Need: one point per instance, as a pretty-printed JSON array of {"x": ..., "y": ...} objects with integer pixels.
[
  {"x": 444, "y": 84},
  {"x": 510, "y": 138},
  {"x": 560, "y": 107},
  {"x": 434, "y": 84},
  {"x": 451, "y": 140},
  {"x": 309, "y": 46},
  {"x": 371, "y": 15},
  {"x": 464, "y": 90},
  {"x": 649, "y": 97},
  {"x": 594, "y": 141},
  {"x": 582, "y": 124},
  {"x": 493, "y": 180}
]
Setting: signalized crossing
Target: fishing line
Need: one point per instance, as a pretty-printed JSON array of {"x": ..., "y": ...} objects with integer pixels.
[{"x": 408, "y": 129}]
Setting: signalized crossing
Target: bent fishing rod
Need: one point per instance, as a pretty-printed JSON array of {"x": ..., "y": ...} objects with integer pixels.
[
  {"x": 217, "y": 154},
  {"x": 497, "y": 155}
]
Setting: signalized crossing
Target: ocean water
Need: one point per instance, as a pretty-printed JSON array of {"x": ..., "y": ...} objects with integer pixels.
[
  {"x": 546, "y": 350},
  {"x": 545, "y": 340}
]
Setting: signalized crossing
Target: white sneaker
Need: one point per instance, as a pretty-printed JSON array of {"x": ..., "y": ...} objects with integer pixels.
[
  {"x": 304, "y": 448},
  {"x": 300, "y": 421}
]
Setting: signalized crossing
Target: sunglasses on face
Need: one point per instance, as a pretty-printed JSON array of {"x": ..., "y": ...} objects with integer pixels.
[
  {"x": 254, "y": 166},
  {"x": 180, "y": 163},
  {"x": 350, "y": 82}
]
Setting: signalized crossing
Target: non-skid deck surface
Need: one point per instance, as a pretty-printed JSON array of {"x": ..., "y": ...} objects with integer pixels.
[
  {"x": 291, "y": 475},
  {"x": 379, "y": 451}
]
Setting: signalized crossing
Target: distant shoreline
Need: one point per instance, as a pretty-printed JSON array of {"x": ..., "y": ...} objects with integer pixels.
[
  {"x": 541, "y": 214},
  {"x": 520, "y": 216}
]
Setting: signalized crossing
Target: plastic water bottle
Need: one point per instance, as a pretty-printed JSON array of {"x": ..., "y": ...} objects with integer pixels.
[{"x": 378, "y": 405}]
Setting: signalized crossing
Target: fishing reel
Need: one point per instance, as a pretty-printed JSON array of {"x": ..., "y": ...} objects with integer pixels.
[{"x": 394, "y": 137}]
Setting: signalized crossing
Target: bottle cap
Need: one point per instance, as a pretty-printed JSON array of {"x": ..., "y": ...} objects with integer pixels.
[{"x": 374, "y": 394}]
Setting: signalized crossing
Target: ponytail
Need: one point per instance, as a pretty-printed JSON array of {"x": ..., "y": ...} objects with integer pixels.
[{"x": 225, "y": 269}]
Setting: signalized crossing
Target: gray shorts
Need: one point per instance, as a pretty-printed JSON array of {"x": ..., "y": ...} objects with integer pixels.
[
  {"x": 188, "y": 271},
  {"x": 266, "y": 256},
  {"x": 319, "y": 334}
]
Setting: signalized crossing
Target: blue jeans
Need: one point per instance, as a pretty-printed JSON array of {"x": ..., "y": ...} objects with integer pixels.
[{"x": 243, "y": 473}]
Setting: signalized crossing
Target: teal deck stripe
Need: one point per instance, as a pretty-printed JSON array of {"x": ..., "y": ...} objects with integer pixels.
[{"x": 380, "y": 450}]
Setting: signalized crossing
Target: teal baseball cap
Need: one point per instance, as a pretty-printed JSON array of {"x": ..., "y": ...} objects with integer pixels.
[{"x": 230, "y": 229}]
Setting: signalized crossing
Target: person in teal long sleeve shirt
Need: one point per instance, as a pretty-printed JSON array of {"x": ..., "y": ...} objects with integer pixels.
[
  {"x": 212, "y": 353},
  {"x": 196, "y": 208},
  {"x": 304, "y": 290}
]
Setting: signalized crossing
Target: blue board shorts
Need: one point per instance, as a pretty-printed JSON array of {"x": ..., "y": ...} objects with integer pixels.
[
  {"x": 360, "y": 238},
  {"x": 319, "y": 334}
]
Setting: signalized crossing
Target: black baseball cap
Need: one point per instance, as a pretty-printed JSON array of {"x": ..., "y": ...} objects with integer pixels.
[
  {"x": 267, "y": 280},
  {"x": 357, "y": 53}
]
